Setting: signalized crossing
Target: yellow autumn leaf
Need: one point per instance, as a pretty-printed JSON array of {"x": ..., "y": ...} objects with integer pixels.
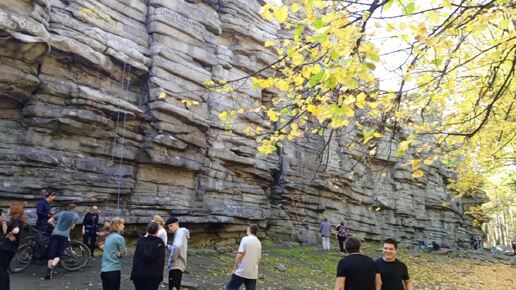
[
  {"x": 223, "y": 116},
  {"x": 418, "y": 174},
  {"x": 294, "y": 7},
  {"x": 269, "y": 43},
  {"x": 428, "y": 161},
  {"x": 273, "y": 115},
  {"x": 281, "y": 14},
  {"x": 361, "y": 100},
  {"x": 282, "y": 85}
]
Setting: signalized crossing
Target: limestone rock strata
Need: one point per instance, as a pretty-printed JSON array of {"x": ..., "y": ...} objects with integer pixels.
[{"x": 82, "y": 110}]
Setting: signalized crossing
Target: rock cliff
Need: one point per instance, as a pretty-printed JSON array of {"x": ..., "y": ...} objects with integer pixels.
[{"x": 81, "y": 110}]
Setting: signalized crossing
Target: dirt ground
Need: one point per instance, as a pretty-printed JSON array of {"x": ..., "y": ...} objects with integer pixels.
[{"x": 289, "y": 268}]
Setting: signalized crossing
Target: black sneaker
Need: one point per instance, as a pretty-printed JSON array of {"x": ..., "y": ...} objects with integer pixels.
[{"x": 49, "y": 274}]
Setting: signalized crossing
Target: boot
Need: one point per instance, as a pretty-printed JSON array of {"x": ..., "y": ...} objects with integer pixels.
[{"x": 50, "y": 272}]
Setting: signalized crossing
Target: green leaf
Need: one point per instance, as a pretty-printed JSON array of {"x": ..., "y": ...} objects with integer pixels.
[
  {"x": 318, "y": 23},
  {"x": 437, "y": 61},
  {"x": 368, "y": 135},
  {"x": 388, "y": 5},
  {"x": 407, "y": 10},
  {"x": 322, "y": 38},
  {"x": 370, "y": 65},
  {"x": 331, "y": 82},
  {"x": 297, "y": 32},
  {"x": 316, "y": 78},
  {"x": 334, "y": 55},
  {"x": 373, "y": 56}
]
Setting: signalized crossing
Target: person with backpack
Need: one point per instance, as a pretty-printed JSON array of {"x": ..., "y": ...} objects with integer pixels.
[
  {"x": 342, "y": 234},
  {"x": 148, "y": 260},
  {"x": 89, "y": 228},
  {"x": 10, "y": 242}
]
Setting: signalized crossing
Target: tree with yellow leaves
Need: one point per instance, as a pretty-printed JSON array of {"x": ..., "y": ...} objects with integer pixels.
[{"x": 442, "y": 70}]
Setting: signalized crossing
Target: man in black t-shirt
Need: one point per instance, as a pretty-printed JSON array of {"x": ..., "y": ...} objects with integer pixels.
[
  {"x": 393, "y": 271},
  {"x": 357, "y": 271}
]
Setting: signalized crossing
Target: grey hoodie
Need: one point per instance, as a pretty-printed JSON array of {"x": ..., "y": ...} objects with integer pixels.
[{"x": 178, "y": 250}]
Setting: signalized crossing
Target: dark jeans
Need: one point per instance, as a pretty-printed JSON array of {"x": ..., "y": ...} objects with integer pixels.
[
  {"x": 341, "y": 243},
  {"x": 236, "y": 281},
  {"x": 5, "y": 260},
  {"x": 90, "y": 239},
  {"x": 174, "y": 279},
  {"x": 110, "y": 280},
  {"x": 46, "y": 228},
  {"x": 56, "y": 246},
  {"x": 147, "y": 283}
]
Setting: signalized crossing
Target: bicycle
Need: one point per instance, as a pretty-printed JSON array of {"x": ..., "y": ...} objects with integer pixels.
[{"x": 75, "y": 257}]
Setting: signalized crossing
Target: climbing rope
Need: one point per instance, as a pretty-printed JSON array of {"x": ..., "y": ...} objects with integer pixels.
[
  {"x": 122, "y": 143},
  {"x": 124, "y": 88}
]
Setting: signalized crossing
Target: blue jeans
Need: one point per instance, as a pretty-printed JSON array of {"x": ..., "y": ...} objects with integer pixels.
[{"x": 237, "y": 281}]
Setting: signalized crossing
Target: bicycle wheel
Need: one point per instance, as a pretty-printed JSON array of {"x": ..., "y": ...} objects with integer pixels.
[
  {"x": 76, "y": 256},
  {"x": 21, "y": 259}
]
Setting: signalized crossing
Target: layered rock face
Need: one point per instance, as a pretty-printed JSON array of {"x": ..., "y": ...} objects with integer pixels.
[{"x": 105, "y": 101}]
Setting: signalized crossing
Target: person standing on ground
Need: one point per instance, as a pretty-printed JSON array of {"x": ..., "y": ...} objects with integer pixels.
[
  {"x": 177, "y": 252},
  {"x": 9, "y": 244},
  {"x": 114, "y": 250},
  {"x": 513, "y": 243},
  {"x": 162, "y": 233},
  {"x": 103, "y": 234},
  {"x": 342, "y": 234},
  {"x": 43, "y": 210},
  {"x": 246, "y": 261},
  {"x": 357, "y": 271},
  {"x": 65, "y": 221},
  {"x": 148, "y": 260},
  {"x": 394, "y": 272},
  {"x": 89, "y": 228},
  {"x": 325, "y": 230}
]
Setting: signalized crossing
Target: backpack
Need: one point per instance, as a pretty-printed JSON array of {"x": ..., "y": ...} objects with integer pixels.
[{"x": 342, "y": 231}]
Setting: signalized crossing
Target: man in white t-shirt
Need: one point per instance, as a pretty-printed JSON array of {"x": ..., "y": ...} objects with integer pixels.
[{"x": 246, "y": 261}]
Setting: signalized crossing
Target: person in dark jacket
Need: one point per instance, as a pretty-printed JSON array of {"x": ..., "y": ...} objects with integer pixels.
[
  {"x": 89, "y": 228},
  {"x": 43, "y": 210},
  {"x": 148, "y": 260},
  {"x": 10, "y": 242}
]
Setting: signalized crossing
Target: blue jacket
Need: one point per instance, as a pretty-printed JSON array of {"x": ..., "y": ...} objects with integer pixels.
[
  {"x": 110, "y": 261},
  {"x": 42, "y": 210}
]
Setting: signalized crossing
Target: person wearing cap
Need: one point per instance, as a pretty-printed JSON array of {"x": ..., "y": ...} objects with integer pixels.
[
  {"x": 43, "y": 210},
  {"x": 246, "y": 261},
  {"x": 177, "y": 252}
]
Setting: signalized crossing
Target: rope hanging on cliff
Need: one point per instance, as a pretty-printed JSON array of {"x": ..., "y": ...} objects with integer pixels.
[
  {"x": 124, "y": 88},
  {"x": 117, "y": 118},
  {"x": 123, "y": 140}
]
